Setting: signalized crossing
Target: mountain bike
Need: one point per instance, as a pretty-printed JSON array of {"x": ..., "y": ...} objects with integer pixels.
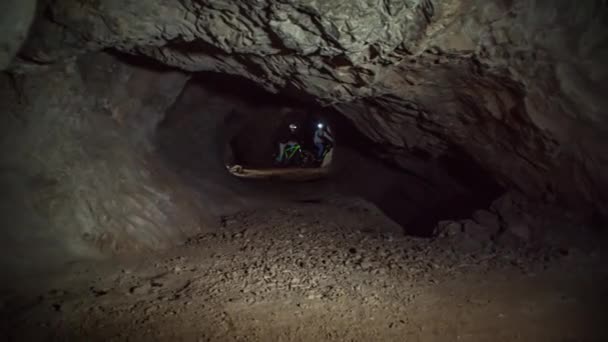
[
  {"x": 294, "y": 155},
  {"x": 328, "y": 147}
]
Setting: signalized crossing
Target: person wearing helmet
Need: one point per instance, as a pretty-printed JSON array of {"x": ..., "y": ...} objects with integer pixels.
[
  {"x": 322, "y": 138},
  {"x": 287, "y": 139}
]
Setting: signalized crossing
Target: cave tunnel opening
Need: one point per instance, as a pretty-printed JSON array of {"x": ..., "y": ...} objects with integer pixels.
[
  {"x": 229, "y": 124},
  {"x": 249, "y": 126},
  {"x": 234, "y": 126},
  {"x": 281, "y": 135}
]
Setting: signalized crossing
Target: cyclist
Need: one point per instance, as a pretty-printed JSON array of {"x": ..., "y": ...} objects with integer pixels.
[
  {"x": 287, "y": 139},
  {"x": 322, "y": 138}
]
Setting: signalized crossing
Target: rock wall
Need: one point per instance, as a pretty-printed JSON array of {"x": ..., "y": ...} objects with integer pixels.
[
  {"x": 77, "y": 178},
  {"x": 191, "y": 141},
  {"x": 16, "y": 17},
  {"x": 517, "y": 84}
]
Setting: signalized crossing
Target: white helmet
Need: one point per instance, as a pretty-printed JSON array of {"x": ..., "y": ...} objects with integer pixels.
[
  {"x": 293, "y": 127},
  {"x": 320, "y": 125}
]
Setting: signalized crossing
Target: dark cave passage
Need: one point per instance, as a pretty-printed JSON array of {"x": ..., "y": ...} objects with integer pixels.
[{"x": 212, "y": 124}]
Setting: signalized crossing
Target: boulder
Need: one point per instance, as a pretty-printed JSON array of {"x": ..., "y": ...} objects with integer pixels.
[
  {"x": 448, "y": 228},
  {"x": 487, "y": 219}
]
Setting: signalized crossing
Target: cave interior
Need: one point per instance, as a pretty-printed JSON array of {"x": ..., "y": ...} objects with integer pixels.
[{"x": 465, "y": 196}]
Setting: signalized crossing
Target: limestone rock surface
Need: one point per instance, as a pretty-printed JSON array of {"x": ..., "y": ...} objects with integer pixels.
[{"x": 517, "y": 85}]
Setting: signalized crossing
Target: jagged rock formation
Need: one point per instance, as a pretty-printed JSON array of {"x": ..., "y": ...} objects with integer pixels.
[{"x": 515, "y": 84}]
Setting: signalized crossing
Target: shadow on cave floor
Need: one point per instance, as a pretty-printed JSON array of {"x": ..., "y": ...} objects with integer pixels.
[
  {"x": 416, "y": 195},
  {"x": 481, "y": 191}
]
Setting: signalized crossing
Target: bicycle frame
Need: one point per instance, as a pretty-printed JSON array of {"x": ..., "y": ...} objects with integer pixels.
[
  {"x": 325, "y": 152},
  {"x": 291, "y": 151},
  {"x": 299, "y": 155}
]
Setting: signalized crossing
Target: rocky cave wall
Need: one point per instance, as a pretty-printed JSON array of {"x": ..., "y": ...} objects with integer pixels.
[
  {"x": 515, "y": 84},
  {"x": 79, "y": 177},
  {"x": 16, "y": 17}
]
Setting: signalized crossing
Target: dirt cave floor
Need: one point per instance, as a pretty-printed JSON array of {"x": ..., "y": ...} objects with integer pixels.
[{"x": 325, "y": 271}]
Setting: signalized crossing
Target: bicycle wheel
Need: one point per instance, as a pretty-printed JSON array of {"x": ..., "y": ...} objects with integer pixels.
[{"x": 307, "y": 159}]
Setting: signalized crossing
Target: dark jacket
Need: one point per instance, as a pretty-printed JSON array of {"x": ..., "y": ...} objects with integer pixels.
[{"x": 285, "y": 135}]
